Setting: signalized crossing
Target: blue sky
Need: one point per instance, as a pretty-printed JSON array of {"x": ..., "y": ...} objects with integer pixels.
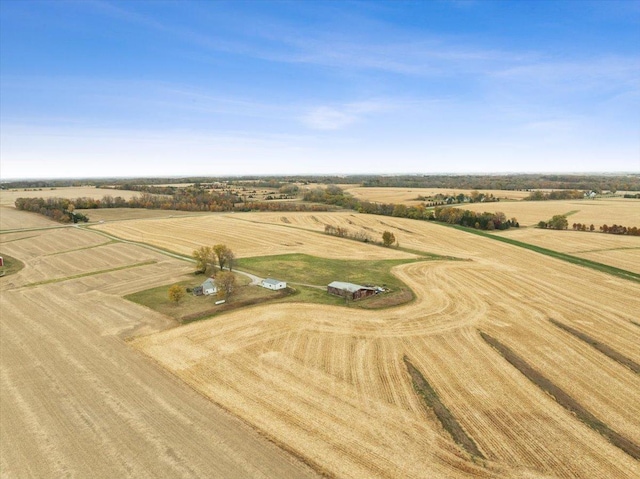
[{"x": 97, "y": 88}]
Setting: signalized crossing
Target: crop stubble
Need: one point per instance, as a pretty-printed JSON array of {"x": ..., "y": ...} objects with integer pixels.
[{"x": 333, "y": 387}]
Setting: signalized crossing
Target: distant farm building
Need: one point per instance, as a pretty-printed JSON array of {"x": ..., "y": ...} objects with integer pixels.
[
  {"x": 209, "y": 287},
  {"x": 1, "y": 261},
  {"x": 274, "y": 284},
  {"x": 350, "y": 290}
]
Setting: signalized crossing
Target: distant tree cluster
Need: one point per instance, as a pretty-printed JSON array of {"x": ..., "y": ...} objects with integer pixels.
[
  {"x": 555, "y": 195},
  {"x": 342, "y": 232},
  {"x": 557, "y": 222},
  {"x": 486, "y": 221},
  {"x": 441, "y": 199},
  {"x": 620, "y": 230},
  {"x": 473, "y": 219},
  {"x": 58, "y": 209}
]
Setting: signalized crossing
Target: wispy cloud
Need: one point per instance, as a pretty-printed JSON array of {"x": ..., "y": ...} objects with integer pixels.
[{"x": 338, "y": 117}]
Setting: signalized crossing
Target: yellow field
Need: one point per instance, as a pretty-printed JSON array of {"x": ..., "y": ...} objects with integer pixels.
[
  {"x": 77, "y": 401},
  {"x": 408, "y": 196},
  {"x": 615, "y": 250},
  {"x": 330, "y": 383},
  {"x": 119, "y": 214},
  {"x": 11, "y": 219},
  {"x": 244, "y": 234},
  {"x": 599, "y": 211},
  {"x": 8, "y": 197}
]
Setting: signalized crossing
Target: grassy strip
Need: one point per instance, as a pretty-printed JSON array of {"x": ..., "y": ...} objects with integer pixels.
[
  {"x": 448, "y": 420},
  {"x": 620, "y": 273},
  {"x": 92, "y": 273},
  {"x": 11, "y": 265},
  {"x": 563, "y": 398},
  {"x": 603, "y": 348},
  {"x": 18, "y": 239},
  {"x": 80, "y": 249}
]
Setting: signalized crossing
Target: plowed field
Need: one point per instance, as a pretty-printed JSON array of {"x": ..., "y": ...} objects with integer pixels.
[
  {"x": 330, "y": 382},
  {"x": 408, "y": 196}
]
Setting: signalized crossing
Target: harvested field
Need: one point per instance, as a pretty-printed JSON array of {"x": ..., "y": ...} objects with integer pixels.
[
  {"x": 119, "y": 214},
  {"x": 615, "y": 250},
  {"x": 599, "y": 211},
  {"x": 408, "y": 196},
  {"x": 244, "y": 236},
  {"x": 333, "y": 386},
  {"x": 11, "y": 219},
  {"x": 77, "y": 401}
]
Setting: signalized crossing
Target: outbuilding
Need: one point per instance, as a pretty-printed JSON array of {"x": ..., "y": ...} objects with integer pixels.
[
  {"x": 209, "y": 287},
  {"x": 274, "y": 284},
  {"x": 350, "y": 290}
]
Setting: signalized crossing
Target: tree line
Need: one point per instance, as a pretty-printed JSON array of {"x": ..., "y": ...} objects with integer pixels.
[
  {"x": 334, "y": 195},
  {"x": 560, "y": 222},
  {"x": 58, "y": 209}
]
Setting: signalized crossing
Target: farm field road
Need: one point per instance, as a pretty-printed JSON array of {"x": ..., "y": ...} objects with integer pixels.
[
  {"x": 331, "y": 383},
  {"x": 77, "y": 401}
]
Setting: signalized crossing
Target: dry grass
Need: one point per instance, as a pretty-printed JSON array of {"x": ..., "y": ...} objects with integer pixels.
[
  {"x": 121, "y": 214},
  {"x": 11, "y": 219},
  {"x": 333, "y": 387}
]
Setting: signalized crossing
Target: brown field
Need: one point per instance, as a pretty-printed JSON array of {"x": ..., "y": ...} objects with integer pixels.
[
  {"x": 332, "y": 385},
  {"x": 8, "y": 197},
  {"x": 599, "y": 211},
  {"x": 615, "y": 250},
  {"x": 119, "y": 214},
  {"x": 77, "y": 401},
  {"x": 11, "y": 219},
  {"x": 245, "y": 234},
  {"x": 408, "y": 196},
  {"x": 326, "y": 383}
]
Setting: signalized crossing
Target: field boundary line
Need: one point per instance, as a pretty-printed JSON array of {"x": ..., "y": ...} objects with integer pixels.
[
  {"x": 91, "y": 273},
  {"x": 562, "y": 398},
  {"x": 587, "y": 263}
]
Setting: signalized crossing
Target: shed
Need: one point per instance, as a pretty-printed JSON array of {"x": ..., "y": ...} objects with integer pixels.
[
  {"x": 274, "y": 284},
  {"x": 350, "y": 290},
  {"x": 209, "y": 287}
]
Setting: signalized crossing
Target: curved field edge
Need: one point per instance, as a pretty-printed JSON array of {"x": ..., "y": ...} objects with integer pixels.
[
  {"x": 612, "y": 270},
  {"x": 309, "y": 276},
  {"x": 562, "y": 398},
  {"x": 11, "y": 265}
]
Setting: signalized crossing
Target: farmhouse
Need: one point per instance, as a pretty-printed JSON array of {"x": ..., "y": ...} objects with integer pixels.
[
  {"x": 350, "y": 290},
  {"x": 271, "y": 283},
  {"x": 209, "y": 287}
]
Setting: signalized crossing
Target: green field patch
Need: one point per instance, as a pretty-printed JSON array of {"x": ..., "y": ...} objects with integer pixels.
[
  {"x": 193, "y": 308},
  {"x": 11, "y": 265},
  {"x": 310, "y": 270}
]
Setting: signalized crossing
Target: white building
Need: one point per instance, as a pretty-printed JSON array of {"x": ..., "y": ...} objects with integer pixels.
[
  {"x": 209, "y": 287},
  {"x": 271, "y": 283}
]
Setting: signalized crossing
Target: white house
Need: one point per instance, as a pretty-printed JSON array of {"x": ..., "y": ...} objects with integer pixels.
[
  {"x": 209, "y": 287},
  {"x": 271, "y": 283}
]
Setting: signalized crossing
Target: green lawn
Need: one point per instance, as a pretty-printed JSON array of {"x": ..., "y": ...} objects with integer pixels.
[
  {"x": 305, "y": 269},
  {"x": 11, "y": 265}
]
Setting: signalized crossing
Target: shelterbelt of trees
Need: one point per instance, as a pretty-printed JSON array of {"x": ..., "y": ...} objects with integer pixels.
[
  {"x": 63, "y": 210},
  {"x": 333, "y": 195},
  {"x": 592, "y": 182}
]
